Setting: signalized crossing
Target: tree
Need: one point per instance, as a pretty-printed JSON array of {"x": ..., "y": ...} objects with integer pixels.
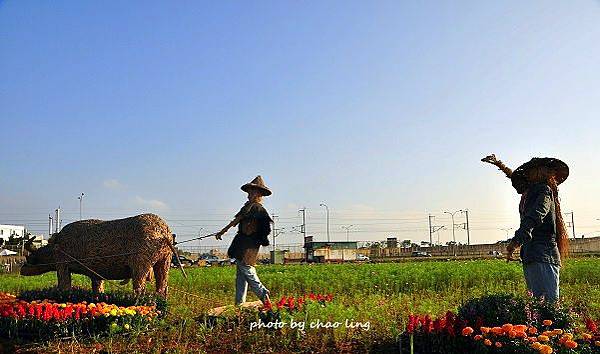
[{"x": 406, "y": 243}]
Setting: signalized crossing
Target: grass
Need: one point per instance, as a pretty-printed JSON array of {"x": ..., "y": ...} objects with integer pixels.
[{"x": 383, "y": 294}]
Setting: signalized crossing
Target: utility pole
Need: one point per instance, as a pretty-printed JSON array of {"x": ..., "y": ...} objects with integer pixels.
[
  {"x": 327, "y": 208},
  {"x": 452, "y": 215},
  {"x": 433, "y": 229},
  {"x": 468, "y": 231},
  {"x": 430, "y": 230},
  {"x": 273, "y": 216},
  {"x": 303, "y": 228},
  {"x": 453, "y": 229},
  {"x": 572, "y": 222},
  {"x": 80, "y": 205},
  {"x": 347, "y": 228}
]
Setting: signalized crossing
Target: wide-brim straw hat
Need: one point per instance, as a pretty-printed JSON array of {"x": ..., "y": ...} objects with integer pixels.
[
  {"x": 258, "y": 184},
  {"x": 559, "y": 169}
]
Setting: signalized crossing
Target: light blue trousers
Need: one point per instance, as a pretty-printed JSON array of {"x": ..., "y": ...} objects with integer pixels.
[
  {"x": 542, "y": 280},
  {"x": 246, "y": 275}
]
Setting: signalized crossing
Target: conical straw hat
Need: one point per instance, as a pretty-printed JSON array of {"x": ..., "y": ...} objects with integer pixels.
[
  {"x": 558, "y": 168},
  {"x": 257, "y": 183}
]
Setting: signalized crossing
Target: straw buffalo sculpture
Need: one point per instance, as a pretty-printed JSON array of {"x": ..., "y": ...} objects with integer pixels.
[{"x": 130, "y": 248}]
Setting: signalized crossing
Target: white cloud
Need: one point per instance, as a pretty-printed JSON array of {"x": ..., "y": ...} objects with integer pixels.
[
  {"x": 151, "y": 203},
  {"x": 112, "y": 184}
]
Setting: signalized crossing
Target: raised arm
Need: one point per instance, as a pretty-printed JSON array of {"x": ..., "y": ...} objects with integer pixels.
[{"x": 501, "y": 166}]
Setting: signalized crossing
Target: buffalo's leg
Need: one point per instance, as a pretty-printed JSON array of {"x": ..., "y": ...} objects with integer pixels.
[
  {"x": 64, "y": 277},
  {"x": 97, "y": 285},
  {"x": 161, "y": 273},
  {"x": 138, "y": 278}
]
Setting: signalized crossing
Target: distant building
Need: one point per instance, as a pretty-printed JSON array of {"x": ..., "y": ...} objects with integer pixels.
[
  {"x": 317, "y": 251},
  {"x": 6, "y": 231}
]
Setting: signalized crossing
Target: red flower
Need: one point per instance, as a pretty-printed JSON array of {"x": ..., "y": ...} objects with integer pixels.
[
  {"x": 268, "y": 305},
  {"x": 21, "y": 310},
  {"x": 591, "y": 325},
  {"x": 413, "y": 322},
  {"x": 427, "y": 324}
]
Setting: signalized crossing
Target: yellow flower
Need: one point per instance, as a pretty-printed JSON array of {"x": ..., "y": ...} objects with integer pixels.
[
  {"x": 586, "y": 336},
  {"x": 127, "y": 326},
  {"x": 546, "y": 349},
  {"x": 543, "y": 338},
  {"x": 536, "y": 345}
]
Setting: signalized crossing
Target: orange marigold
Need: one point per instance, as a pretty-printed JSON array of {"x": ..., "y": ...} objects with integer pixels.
[
  {"x": 478, "y": 337},
  {"x": 521, "y": 334},
  {"x": 547, "y": 322},
  {"x": 546, "y": 349},
  {"x": 467, "y": 331},
  {"x": 497, "y": 331},
  {"x": 487, "y": 342},
  {"x": 520, "y": 328},
  {"x": 571, "y": 344},
  {"x": 532, "y": 330},
  {"x": 507, "y": 327}
]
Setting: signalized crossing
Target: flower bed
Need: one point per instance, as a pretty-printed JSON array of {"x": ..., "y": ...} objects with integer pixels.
[
  {"x": 48, "y": 318},
  {"x": 455, "y": 333}
]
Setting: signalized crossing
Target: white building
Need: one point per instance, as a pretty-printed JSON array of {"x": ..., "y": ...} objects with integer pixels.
[{"x": 7, "y": 230}]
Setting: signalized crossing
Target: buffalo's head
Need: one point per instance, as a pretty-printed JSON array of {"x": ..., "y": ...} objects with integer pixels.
[{"x": 39, "y": 261}]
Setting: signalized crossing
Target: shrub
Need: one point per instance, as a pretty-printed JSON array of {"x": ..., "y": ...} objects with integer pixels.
[{"x": 496, "y": 310}]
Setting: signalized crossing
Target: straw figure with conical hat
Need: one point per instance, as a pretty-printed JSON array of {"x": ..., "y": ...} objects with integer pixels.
[
  {"x": 254, "y": 226},
  {"x": 542, "y": 235}
]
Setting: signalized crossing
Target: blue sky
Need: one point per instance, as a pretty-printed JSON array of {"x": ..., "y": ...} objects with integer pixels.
[{"x": 380, "y": 109}]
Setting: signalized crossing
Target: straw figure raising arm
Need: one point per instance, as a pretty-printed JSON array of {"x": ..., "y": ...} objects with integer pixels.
[{"x": 542, "y": 235}]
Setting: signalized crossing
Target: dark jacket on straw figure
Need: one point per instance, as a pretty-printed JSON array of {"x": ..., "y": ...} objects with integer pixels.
[
  {"x": 542, "y": 234},
  {"x": 254, "y": 227}
]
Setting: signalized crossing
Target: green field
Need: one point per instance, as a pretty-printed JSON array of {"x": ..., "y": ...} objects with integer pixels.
[{"x": 383, "y": 294}]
